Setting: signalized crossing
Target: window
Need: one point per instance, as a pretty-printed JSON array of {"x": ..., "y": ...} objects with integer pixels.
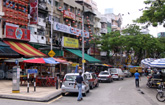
[
  {"x": 70, "y": 77},
  {"x": 31, "y": 30},
  {"x": 56, "y": 19},
  {"x": 71, "y": 9},
  {"x": 104, "y": 73},
  {"x": 65, "y": 6},
  {"x": 113, "y": 70}
]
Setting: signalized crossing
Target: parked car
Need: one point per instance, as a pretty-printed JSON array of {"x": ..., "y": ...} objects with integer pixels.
[
  {"x": 117, "y": 73},
  {"x": 9, "y": 74},
  {"x": 105, "y": 76},
  {"x": 92, "y": 79},
  {"x": 2, "y": 74},
  {"x": 127, "y": 73},
  {"x": 69, "y": 82}
]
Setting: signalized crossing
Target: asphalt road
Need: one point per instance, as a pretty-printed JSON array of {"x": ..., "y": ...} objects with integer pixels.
[{"x": 121, "y": 92}]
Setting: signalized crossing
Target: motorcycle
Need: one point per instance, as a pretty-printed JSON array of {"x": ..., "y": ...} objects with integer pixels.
[{"x": 153, "y": 81}]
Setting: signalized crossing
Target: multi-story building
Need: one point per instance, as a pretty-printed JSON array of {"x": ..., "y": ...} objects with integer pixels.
[
  {"x": 103, "y": 25},
  {"x": 161, "y": 34}
]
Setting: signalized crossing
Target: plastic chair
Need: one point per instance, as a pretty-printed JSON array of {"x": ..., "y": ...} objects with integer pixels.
[
  {"x": 48, "y": 81},
  {"x": 38, "y": 82}
]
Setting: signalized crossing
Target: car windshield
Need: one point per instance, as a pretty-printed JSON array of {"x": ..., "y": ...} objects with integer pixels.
[
  {"x": 88, "y": 76},
  {"x": 70, "y": 77},
  {"x": 125, "y": 71},
  {"x": 104, "y": 73},
  {"x": 113, "y": 70}
]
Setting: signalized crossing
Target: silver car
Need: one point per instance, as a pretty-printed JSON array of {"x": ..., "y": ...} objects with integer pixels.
[
  {"x": 69, "y": 82},
  {"x": 127, "y": 73},
  {"x": 117, "y": 73}
]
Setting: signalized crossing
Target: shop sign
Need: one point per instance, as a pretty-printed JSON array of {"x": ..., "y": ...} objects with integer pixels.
[
  {"x": 70, "y": 42},
  {"x": 70, "y": 30},
  {"x": 74, "y": 64},
  {"x": 68, "y": 14},
  {"x": 33, "y": 11},
  {"x": 17, "y": 33}
]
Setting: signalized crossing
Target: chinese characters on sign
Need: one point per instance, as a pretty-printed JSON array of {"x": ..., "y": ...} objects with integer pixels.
[
  {"x": 33, "y": 11},
  {"x": 17, "y": 33}
]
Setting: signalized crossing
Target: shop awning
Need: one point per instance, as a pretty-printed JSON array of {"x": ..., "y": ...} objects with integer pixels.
[
  {"x": 87, "y": 57},
  {"x": 25, "y": 49},
  {"x": 6, "y": 51}
]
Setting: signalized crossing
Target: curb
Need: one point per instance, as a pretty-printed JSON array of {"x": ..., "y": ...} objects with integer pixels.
[{"x": 42, "y": 99}]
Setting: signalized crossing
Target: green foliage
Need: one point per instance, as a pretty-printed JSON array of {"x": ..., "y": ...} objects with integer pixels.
[{"x": 154, "y": 14}]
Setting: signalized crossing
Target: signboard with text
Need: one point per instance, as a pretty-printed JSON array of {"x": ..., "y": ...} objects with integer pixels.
[
  {"x": 70, "y": 30},
  {"x": 17, "y": 33},
  {"x": 70, "y": 42},
  {"x": 33, "y": 11}
]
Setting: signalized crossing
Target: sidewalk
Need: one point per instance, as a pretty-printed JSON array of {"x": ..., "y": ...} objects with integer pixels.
[{"x": 41, "y": 94}]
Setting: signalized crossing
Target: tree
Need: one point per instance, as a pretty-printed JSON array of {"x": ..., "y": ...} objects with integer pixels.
[{"x": 154, "y": 14}]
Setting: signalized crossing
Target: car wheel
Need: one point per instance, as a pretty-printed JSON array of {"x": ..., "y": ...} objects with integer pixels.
[
  {"x": 63, "y": 94},
  {"x": 84, "y": 94},
  {"x": 97, "y": 85},
  {"x": 111, "y": 80}
]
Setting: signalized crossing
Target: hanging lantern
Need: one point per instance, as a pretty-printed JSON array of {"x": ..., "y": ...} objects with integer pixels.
[
  {"x": 77, "y": 35},
  {"x": 89, "y": 40},
  {"x": 90, "y": 32},
  {"x": 89, "y": 29},
  {"x": 7, "y": 9},
  {"x": 11, "y": 5},
  {"x": 87, "y": 37},
  {"x": 7, "y": 20},
  {"x": 87, "y": 20},
  {"x": 73, "y": 21},
  {"x": 66, "y": 20},
  {"x": 15, "y": 6},
  {"x": 74, "y": 32},
  {"x": 88, "y": 23},
  {"x": 11, "y": 10},
  {"x": 19, "y": 7},
  {"x": 68, "y": 24},
  {"x": 79, "y": 18},
  {"x": 84, "y": 30},
  {"x": 77, "y": 30},
  {"x": 64, "y": 15},
  {"x": 85, "y": 34},
  {"x": 68, "y": 9},
  {"x": 78, "y": 13},
  {"x": 59, "y": 7},
  {"x": 87, "y": 17},
  {"x": 92, "y": 38},
  {"x": 80, "y": 21},
  {"x": 80, "y": 39},
  {"x": 91, "y": 35},
  {"x": 75, "y": 25},
  {"x": 72, "y": 28},
  {"x": 7, "y": 3},
  {"x": 89, "y": 26},
  {"x": 62, "y": 11},
  {"x": 22, "y": 8},
  {"x": 84, "y": 41},
  {"x": 26, "y": 10}
]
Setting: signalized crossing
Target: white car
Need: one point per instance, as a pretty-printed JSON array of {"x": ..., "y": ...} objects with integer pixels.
[
  {"x": 105, "y": 76},
  {"x": 117, "y": 73},
  {"x": 69, "y": 82}
]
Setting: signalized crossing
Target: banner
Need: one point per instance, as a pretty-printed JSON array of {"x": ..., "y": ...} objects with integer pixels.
[
  {"x": 70, "y": 30},
  {"x": 70, "y": 42},
  {"x": 33, "y": 11},
  {"x": 69, "y": 15},
  {"x": 94, "y": 51},
  {"x": 17, "y": 33}
]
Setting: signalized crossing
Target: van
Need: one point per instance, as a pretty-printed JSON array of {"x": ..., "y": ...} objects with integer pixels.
[{"x": 117, "y": 73}]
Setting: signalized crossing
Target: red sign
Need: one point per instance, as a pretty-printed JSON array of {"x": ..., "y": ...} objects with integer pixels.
[
  {"x": 17, "y": 33},
  {"x": 33, "y": 11},
  {"x": 69, "y": 15}
]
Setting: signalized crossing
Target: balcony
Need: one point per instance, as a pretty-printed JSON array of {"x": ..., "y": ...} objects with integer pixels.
[
  {"x": 114, "y": 26},
  {"x": 37, "y": 39},
  {"x": 97, "y": 25},
  {"x": 103, "y": 30}
]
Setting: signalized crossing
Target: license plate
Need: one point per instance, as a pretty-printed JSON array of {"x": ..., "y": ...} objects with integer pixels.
[
  {"x": 103, "y": 79},
  {"x": 71, "y": 83}
]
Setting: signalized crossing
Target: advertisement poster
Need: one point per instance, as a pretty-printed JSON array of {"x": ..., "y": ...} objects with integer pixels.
[
  {"x": 33, "y": 11},
  {"x": 70, "y": 42},
  {"x": 17, "y": 33}
]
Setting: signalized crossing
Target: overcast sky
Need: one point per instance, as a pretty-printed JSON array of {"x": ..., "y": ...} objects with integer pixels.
[{"x": 125, "y": 6}]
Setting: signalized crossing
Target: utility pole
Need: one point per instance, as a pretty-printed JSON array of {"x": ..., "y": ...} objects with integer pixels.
[
  {"x": 51, "y": 46},
  {"x": 83, "y": 68}
]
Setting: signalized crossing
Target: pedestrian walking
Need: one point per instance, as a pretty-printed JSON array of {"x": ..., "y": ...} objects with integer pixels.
[
  {"x": 79, "y": 80},
  {"x": 137, "y": 77}
]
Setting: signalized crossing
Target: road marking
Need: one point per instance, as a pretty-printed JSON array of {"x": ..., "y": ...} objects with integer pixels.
[
  {"x": 54, "y": 99},
  {"x": 120, "y": 88}
]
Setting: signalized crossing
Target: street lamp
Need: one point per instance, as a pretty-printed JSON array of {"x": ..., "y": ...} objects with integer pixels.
[
  {"x": 51, "y": 46},
  {"x": 82, "y": 2}
]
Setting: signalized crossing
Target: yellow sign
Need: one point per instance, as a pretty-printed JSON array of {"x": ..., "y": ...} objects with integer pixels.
[
  {"x": 74, "y": 64},
  {"x": 83, "y": 61},
  {"x": 70, "y": 42},
  {"x": 51, "y": 53}
]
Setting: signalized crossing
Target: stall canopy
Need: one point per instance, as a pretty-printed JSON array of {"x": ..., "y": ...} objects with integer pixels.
[
  {"x": 42, "y": 61},
  {"x": 6, "y": 51},
  {"x": 25, "y": 49},
  {"x": 87, "y": 57},
  {"x": 158, "y": 63},
  {"x": 60, "y": 60}
]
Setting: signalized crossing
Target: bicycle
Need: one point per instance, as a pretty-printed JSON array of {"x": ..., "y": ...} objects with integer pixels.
[{"x": 160, "y": 96}]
